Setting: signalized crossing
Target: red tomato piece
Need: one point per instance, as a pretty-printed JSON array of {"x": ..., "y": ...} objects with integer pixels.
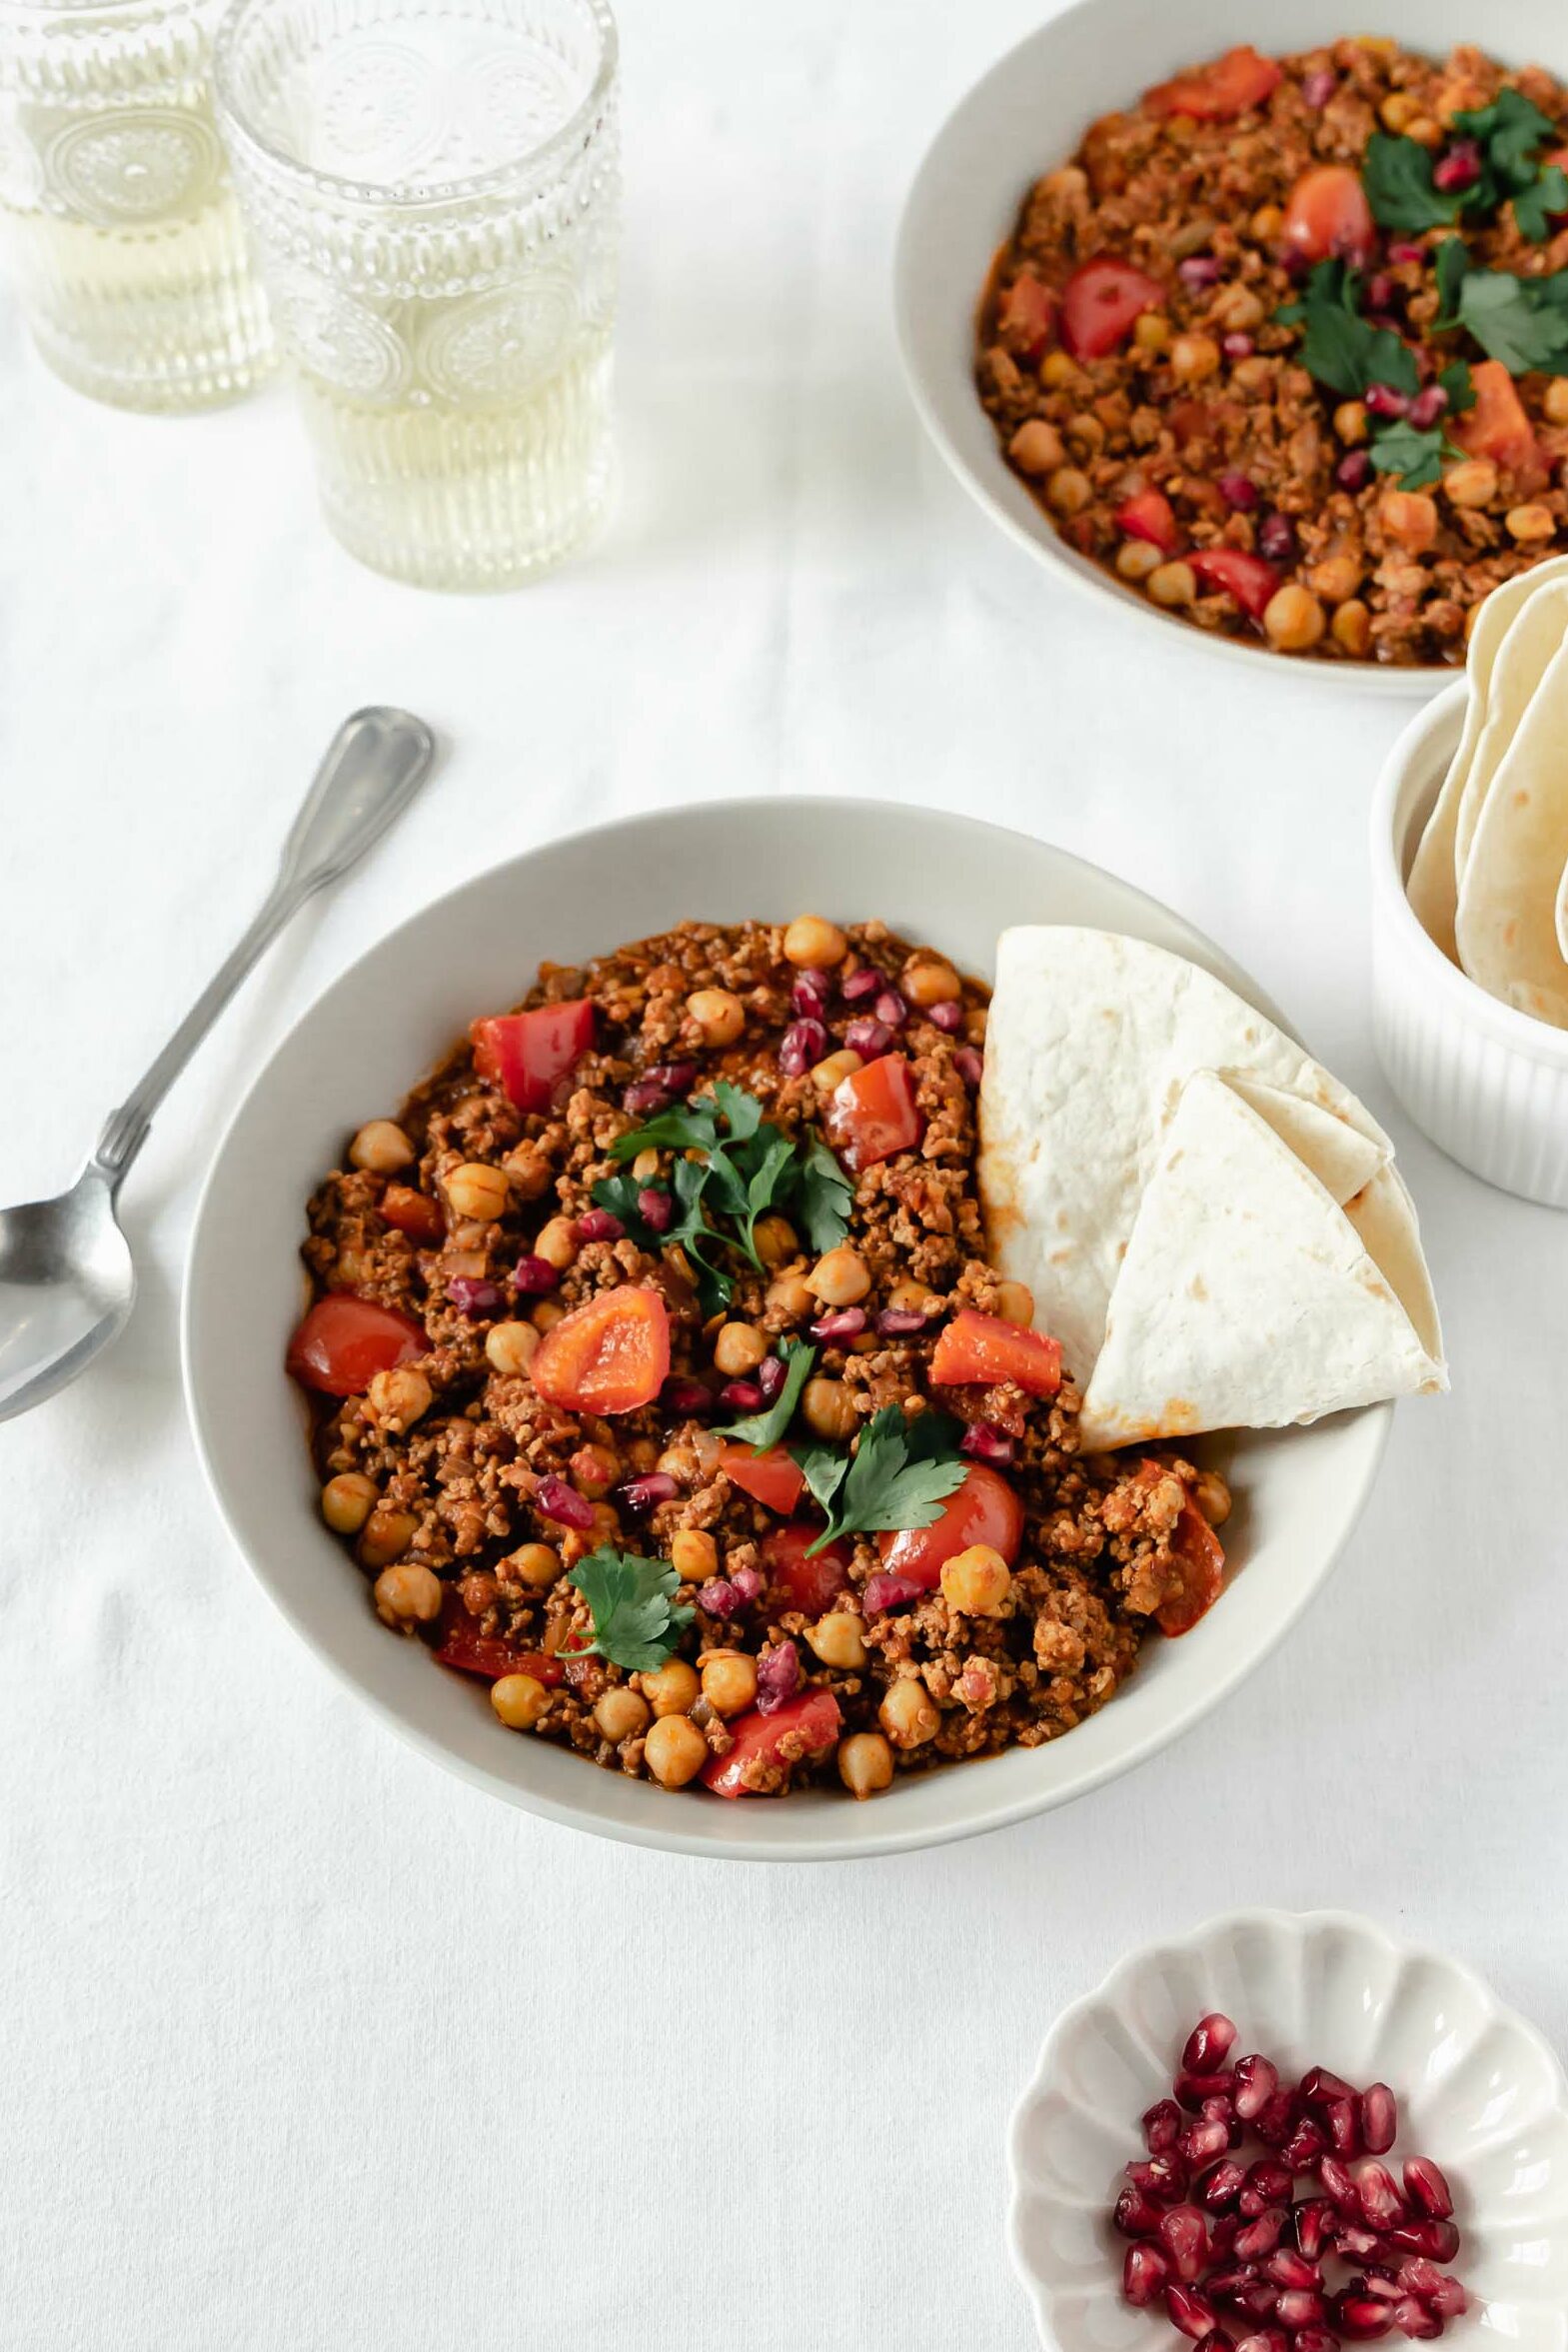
[
  {"x": 611, "y": 1355},
  {"x": 1497, "y": 426},
  {"x": 1247, "y": 578},
  {"x": 1228, "y": 85},
  {"x": 984, "y": 1509},
  {"x": 1328, "y": 213},
  {"x": 414, "y": 1213},
  {"x": 530, "y": 1054},
  {"x": 1024, "y": 314},
  {"x": 810, "y": 1585},
  {"x": 462, "y": 1645},
  {"x": 978, "y": 1349},
  {"x": 1201, "y": 1555},
  {"x": 1148, "y": 515},
  {"x": 775, "y": 1478},
  {"x": 874, "y": 1113},
  {"x": 1100, "y": 302},
  {"x": 345, "y": 1341},
  {"x": 802, "y": 1728}
]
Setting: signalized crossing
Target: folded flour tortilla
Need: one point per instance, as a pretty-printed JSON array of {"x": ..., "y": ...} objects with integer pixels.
[
  {"x": 1249, "y": 1297},
  {"x": 1093, "y": 1036},
  {"x": 1507, "y": 928}
]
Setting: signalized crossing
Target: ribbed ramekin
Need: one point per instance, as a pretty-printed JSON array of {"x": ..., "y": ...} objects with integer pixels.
[{"x": 1487, "y": 1083}]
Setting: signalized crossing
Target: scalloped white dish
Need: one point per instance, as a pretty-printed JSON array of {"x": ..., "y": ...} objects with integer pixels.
[{"x": 1478, "y": 2090}]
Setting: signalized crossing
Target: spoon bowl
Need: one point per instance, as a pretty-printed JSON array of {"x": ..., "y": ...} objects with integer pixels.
[{"x": 67, "y": 1286}]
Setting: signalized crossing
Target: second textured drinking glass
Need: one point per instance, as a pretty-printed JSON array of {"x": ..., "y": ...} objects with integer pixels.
[{"x": 432, "y": 189}]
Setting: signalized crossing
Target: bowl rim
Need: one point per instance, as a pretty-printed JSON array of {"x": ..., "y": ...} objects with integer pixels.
[
  {"x": 1402, "y": 777},
  {"x": 1111, "y": 1987},
  {"x": 1384, "y": 679},
  {"x": 1229, "y": 1672}
]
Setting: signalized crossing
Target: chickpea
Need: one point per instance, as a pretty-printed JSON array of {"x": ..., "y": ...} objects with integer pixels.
[
  {"x": 1335, "y": 579},
  {"x": 557, "y": 1243},
  {"x": 1398, "y": 110},
  {"x": 1086, "y": 436},
  {"x": 1212, "y": 1497},
  {"x": 1173, "y": 584},
  {"x": 510, "y": 1347},
  {"x": 674, "y": 1751},
  {"x": 839, "y": 1278},
  {"x": 606, "y": 1523},
  {"x": 865, "y": 1763},
  {"x": 828, "y": 1408},
  {"x": 381, "y": 1146},
  {"x": 397, "y": 1398},
  {"x": 789, "y": 1294},
  {"x": 476, "y": 1191},
  {"x": 1529, "y": 523},
  {"x": 622, "y": 1714},
  {"x": 595, "y": 1469},
  {"x": 1036, "y": 448},
  {"x": 1409, "y": 518},
  {"x": 1151, "y": 332},
  {"x": 1555, "y": 400},
  {"x": 537, "y": 1564},
  {"x": 1268, "y": 222},
  {"x": 1473, "y": 483},
  {"x": 519, "y": 1700},
  {"x": 928, "y": 981},
  {"x": 739, "y": 1349},
  {"x": 671, "y": 1687},
  {"x": 1015, "y": 1303},
  {"x": 1352, "y": 626},
  {"x": 1293, "y": 619},
  {"x": 975, "y": 1019},
  {"x": 1059, "y": 370},
  {"x": 1251, "y": 375},
  {"x": 1193, "y": 358},
  {"x": 1424, "y": 131},
  {"x": 546, "y": 1315},
  {"x": 388, "y": 1534},
  {"x": 693, "y": 1555},
  {"x": 407, "y": 1595},
  {"x": 1350, "y": 422},
  {"x": 720, "y": 1017},
  {"x": 1137, "y": 557},
  {"x": 1069, "y": 491},
  {"x": 913, "y": 1298},
  {"x": 775, "y": 1237},
  {"x": 978, "y": 1581},
  {"x": 908, "y": 1713},
  {"x": 527, "y": 1172},
  {"x": 1239, "y": 310},
  {"x": 832, "y": 1072},
  {"x": 811, "y": 942},
  {"x": 347, "y": 1502},
  {"x": 837, "y": 1640},
  {"x": 730, "y": 1682},
  {"x": 645, "y": 1165}
]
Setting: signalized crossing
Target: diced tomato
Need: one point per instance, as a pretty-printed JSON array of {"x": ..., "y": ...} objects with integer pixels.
[
  {"x": 462, "y": 1645},
  {"x": 1198, "y": 1548},
  {"x": 812, "y": 1585},
  {"x": 1024, "y": 314},
  {"x": 1148, "y": 515},
  {"x": 982, "y": 1348},
  {"x": 1497, "y": 426},
  {"x": 1247, "y": 578},
  {"x": 802, "y": 1728},
  {"x": 874, "y": 1113},
  {"x": 609, "y": 1356},
  {"x": 1100, "y": 302},
  {"x": 530, "y": 1054},
  {"x": 345, "y": 1341},
  {"x": 984, "y": 1509},
  {"x": 1328, "y": 213},
  {"x": 775, "y": 1478},
  {"x": 1229, "y": 84},
  {"x": 414, "y": 1213}
]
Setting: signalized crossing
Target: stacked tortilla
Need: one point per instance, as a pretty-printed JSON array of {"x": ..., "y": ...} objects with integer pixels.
[{"x": 1209, "y": 1223}]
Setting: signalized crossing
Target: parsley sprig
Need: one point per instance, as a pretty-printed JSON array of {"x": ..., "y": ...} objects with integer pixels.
[
  {"x": 746, "y": 1167},
  {"x": 634, "y": 1624},
  {"x": 763, "y": 1429},
  {"x": 1343, "y": 349},
  {"x": 1523, "y": 322},
  {"x": 1403, "y": 193},
  {"x": 899, "y": 1474}
]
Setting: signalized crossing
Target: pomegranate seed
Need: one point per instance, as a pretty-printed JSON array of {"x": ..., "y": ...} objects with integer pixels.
[
  {"x": 675, "y": 1077},
  {"x": 1380, "y": 2281},
  {"x": 533, "y": 1277},
  {"x": 804, "y": 1044},
  {"x": 645, "y": 1096},
  {"x": 1428, "y": 406},
  {"x": 1276, "y": 540},
  {"x": 642, "y": 1494},
  {"x": 1337, "y": 2181},
  {"x": 1238, "y": 344},
  {"x": 1193, "y": 2089},
  {"x": 1414, "y": 2319},
  {"x": 1225, "y": 2285},
  {"x": 1382, "y": 400},
  {"x": 1355, "y": 2242},
  {"x": 970, "y": 1067},
  {"x": 1355, "y": 471},
  {"x": 1220, "y": 2188},
  {"x": 1261, "y": 2237},
  {"x": 770, "y": 1377},
  {"x": 1276, "y": 2120},
  {"x": 1289, "y": 2269},
  {"x": 1417, "y": 2276},
  {"x": 778, "y": 1676},
  {"x": 1379, "y": 290},
  {"x": 1267, "y": 2183},
  {"x": 890, "y": 1009},
  {"x": 1344, "y": 2126},
  {"x": 599, "y": 1226},
  {"x": 1199, "y": 269},
  {"x": 685, "y": 1397},
  {"x": 1256, "y": 2298},
  {"x": 1135, "y": 2215},
  {"x": 868, "y": 1038},
  {"x": 740, "y": 1396},
  {"x": 1380, "y": 2119},
  {"x": 1268, "y": 2339},
  {"x": 811, "y": 993},
  {"x": 1403, "y": 251},
  {"x": 655, "y": 1208},
  {"x": 1449, "y": 2298},
  {"x": 1305, "y": 2146},
  {"x": 1144, "y": 2275},
  {"x": 1223, "y": 2236},
  {"x": 1300, "y": 2307},
  {"x": 1189, "y": 2312},
  {"x": 1256, "y": 2079},
  {"x": 1200, "y": 2144},
  {"x": 472, "y": 1295},
  {"x": 948, "y": 1014},
  {"x": 847, "y": 1323},
  {"x": 1459, "y": 168},
  {"x": 983, "y": 1442},
  {"x": 1438, "y": 2239},
  {"x": 1359, "y": 2316},
  {"x": 1313, "y": 2219},
  {"x": 855, "y": 987},
  {"x": 1314, "y": 2339},
  {"x": 886, "y": 1591},
  {"x": 554, "y": 1499},
  {"x": 1381, "y": 2202},
  {"x": 1426, "y": 2188},
  {"x": 1183, "y": 2233},
  {"x": 1217, "y": 2108},
  {"x": 901, "y": 1322},
  {"x": 1318, "y": 88},
  {"x": 1318, "y": 2086}
]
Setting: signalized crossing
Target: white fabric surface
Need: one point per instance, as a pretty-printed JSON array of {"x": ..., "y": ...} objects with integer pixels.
[{"x": 306, "y": 2044}]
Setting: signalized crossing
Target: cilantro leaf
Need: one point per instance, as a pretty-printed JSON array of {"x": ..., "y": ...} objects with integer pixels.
[
  {"x": 1508, "y": 131},
  {"x": 1523, "y": 322},
  {"x": 634, "y": 1624},
  {"x": 743, "y": 1113},
  {"x": 1453, "y": 267},
  {"x": 1338, "y": 347},
  {"x": 685, "y": 1127},
  {"x": 1455, "y": 381},
  {"x": 899, "y": 1474},
  {"x": 1535, "y": 209},
  {"x": 1398, "y": 176},
  {"x": 823, "y": 1197},
  {"x": 1416, "y": 457},
  {"x": 763, "y": 1429}
]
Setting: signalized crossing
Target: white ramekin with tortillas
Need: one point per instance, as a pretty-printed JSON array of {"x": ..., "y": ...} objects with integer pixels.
[
  {"x": 1211, "y": 1225},
  {"x": 1470, "y": 899}
]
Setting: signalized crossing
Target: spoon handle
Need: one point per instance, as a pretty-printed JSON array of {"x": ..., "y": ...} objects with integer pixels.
[{"x": 374, "y": 766}]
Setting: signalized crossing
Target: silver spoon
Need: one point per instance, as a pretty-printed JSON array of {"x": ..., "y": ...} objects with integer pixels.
[{"x": 67, "y": 1279}]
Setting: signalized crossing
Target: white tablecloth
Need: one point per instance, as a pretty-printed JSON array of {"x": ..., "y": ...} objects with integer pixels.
[{"x": 305, "y": 2043}]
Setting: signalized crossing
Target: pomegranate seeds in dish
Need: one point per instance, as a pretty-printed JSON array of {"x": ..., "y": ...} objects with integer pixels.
[{"x": 1302, "y": 2252}]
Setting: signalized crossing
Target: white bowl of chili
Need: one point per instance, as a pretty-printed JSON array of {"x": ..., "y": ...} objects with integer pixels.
[
  {"x": 1025, "y": 118},
  {"x": 948, "y": 880}
]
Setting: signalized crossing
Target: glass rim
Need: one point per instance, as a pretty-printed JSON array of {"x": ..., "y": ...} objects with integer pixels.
[{"x": 333, "y": 185}]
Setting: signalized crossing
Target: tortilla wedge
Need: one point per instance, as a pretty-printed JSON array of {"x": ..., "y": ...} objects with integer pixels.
[{"x": 1508, "y": 897}]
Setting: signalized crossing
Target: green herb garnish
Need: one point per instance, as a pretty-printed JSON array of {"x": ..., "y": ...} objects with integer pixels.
[
  {"x": 1417, "y": 456},
  {"x": 634, "y": 1624},
  {"x": 1403, "y": 193},
  {"x": 899, "y": 1474},
  {"x": 763, "y": 1429},
  {"x": 1398, "y": 176},
  {"x": 1523, "y": 322},
  {"x": 1341, "y": 349}
]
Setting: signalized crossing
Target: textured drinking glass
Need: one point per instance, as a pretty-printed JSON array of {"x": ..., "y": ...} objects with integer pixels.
[
  {"x": 433, "y": 188},
  {"x": 120, "y": 221}
]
